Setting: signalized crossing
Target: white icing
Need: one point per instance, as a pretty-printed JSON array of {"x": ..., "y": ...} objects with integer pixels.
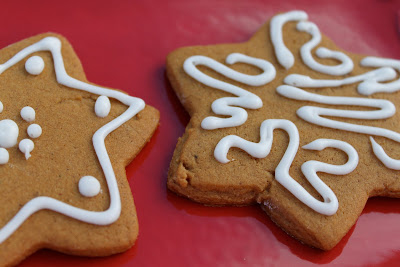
[
  {"x": 305, "y": 51},
  {"x": 371, "y": 81},
  {"x": 311, "y": 114},
  {"x": 26, "y": 146},
  {"x": 369, "y": 87},
  {"x": 135, "y": 105},
  {"x": 383, "y": 157},
  {"x": 260, "y": 150},
  {"x": 244, "y": 99},
  {"x": 102, "y": 107},
  {"x": 89, "y": 186},
  {"x": 315, "y": 115},
  {"x": 8, "y": 133},
  {"x": 381, "y": 74},
  {"x": 34, "y": 130},
  {"x": 283, "y": 54},
  {"x": 28, "y": 114},
  {"x": 34, "y": 65},
  {"x": 1, "y": 107},
  {"x": 4, "y": 156}
]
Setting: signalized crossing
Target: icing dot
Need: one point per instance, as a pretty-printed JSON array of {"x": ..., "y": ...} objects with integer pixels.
[
  {"x": 34, "y": 65},
  {"x": 4, "y": 156},
  {"x": 8, "y": 133},
  {"x": 1, "y": 107},
  {"x": 28, "y": 114},
  {"x": 34, "y": 130},
  {"x": 26, "y": 146},
  {"x": 102, "y": 106},
  {"x": 89, "y": 186}
]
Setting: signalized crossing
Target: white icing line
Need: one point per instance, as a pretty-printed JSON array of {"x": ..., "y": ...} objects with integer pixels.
[
  {"x": 283, "y": 54},
  {"x": 314, "y": 115},
  {"x": 110, "y": 215},
  {"x": 343, "y": 68},
  {"x": 260, "y": 150},
  {"x": 372, "y": 86},
  {"x": 371, "y": 81},
  {"x": 244, "y": 99},
  {"x": 386, "y": 109},
  {"x": 311, "y": 167},
  {"x": 381, "y": 74},
  {"x": 383, "y": 157}
]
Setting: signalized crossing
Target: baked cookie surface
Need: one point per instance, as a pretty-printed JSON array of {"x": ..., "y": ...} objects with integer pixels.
[
  {"x": 290, "y": 121},
  {"x": 65, "y": 186}
]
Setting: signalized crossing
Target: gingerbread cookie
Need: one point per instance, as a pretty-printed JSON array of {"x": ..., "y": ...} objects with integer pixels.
[
  {"x": 290, "y": 121},
  {"x": 65, "y": 144}
]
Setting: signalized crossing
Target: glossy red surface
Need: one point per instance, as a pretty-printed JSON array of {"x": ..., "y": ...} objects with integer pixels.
[{"x": 123, "y": 44}]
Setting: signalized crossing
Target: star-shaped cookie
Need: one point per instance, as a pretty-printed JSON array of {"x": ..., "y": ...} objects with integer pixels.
[
  {"x": 65, "y": 144},
  {"x": 289, "y": 121}
]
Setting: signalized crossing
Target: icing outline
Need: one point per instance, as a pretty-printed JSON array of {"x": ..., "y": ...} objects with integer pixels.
[{"x": 135, "y": 105}]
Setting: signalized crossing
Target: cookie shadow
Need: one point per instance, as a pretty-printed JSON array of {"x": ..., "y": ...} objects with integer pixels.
[
  {"x": 47, "y": 257},
  {"x": 302, "y": 251}
]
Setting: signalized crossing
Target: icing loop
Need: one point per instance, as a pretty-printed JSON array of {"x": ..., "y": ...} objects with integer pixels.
[
  {"x": 309, "y": 168},
  {"x": 244, "y": 99},
  {"x": 283, "y": 54},
  {"x": 305, "y": 51}
]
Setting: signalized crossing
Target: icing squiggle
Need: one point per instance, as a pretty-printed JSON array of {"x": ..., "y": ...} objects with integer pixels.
[
  {"x": 244, "y": 99},
  {"x": 305, "y": 51},
  {"x": 310, "y": 168},
  {"x": 314, "y": 115},
  {"x": 372, "y": 86},
  {"x": 283, "y": 54},
  {"x": 371, "y": 81},
  {"x": 53, "y": 45}
]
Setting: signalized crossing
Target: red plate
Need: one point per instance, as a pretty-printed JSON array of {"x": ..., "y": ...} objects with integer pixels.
[{"x": 124, "y": 44}]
